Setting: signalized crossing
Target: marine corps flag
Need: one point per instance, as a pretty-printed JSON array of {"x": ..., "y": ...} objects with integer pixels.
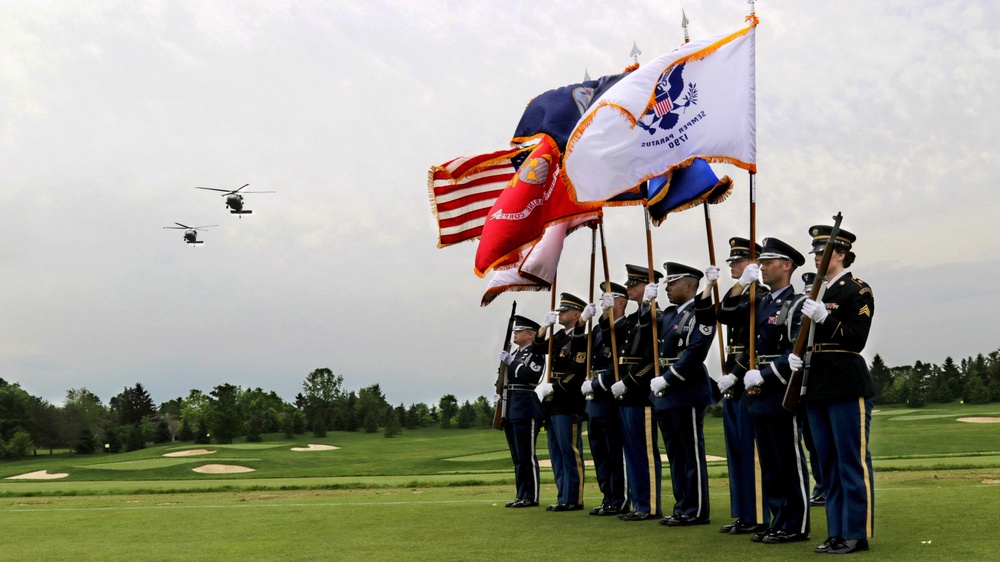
[
  {"x": 535, "y": 199},
  {"x": 698, "y": 101}
]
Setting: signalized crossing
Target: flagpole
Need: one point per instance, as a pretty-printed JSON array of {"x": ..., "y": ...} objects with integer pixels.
[
  {"x": 552, "y": 331},
  {"x": 715, "y": 286},
  {"x": 652, "y": 303},
  {"x": 752, "y": 362},
  {"x": 611, "y": 311},
  {"x": 590, "y": 321}
]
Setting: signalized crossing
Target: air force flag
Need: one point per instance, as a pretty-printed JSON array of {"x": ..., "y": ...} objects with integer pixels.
[{"x": 696, "y": 102}]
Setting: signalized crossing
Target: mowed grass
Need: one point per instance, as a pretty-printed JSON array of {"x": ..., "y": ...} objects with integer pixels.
[{"x": 436, "y": 494}]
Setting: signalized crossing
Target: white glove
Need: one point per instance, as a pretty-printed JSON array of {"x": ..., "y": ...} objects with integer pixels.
[
  {"x": 506, "y": 357},
  {"x": 550, "y": 319},
  {"x": 711, "y": 273},
  {"x": 587, "y": 387},
  {"x": 496, "y": 398},
  {"x": 795, "y": 362},
  {"x": 618, "y": 389},
  {"x": 815, "y": 310},
  {"x": 726, "y": 382},
  {"x": 543, "y": 390},
  {"x": 752, "y": 378},
  {"x": 588, "y": 312},
  {"x": 750, "y": 274},
  {"x": 650, "y": 293},
  {"x": 607, "y": 301},
  {"x": 657, "y": 384}
]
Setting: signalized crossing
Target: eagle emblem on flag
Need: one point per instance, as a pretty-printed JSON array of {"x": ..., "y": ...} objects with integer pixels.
[{"x": 669, "y": 88}]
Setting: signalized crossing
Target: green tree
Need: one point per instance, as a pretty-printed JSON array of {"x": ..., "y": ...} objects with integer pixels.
[
  {"x": 163, "y": 434},
  {"x": 484, "y": 413},
  {"x": 322, "y": 391},
  {"x": 226, "y": 420},
  {"x": 372, "y": 401},
  {"x": 371, "y": 422},
  {"x": 134, "y": 439},
  {"x": 466, "y": 416},
  {"x": 86, "y": 443},
  {"x": 976, "y": 391},
  {"x": 319, "y": 427},
  {"x": 448, "y": 409},
  {"x": 393, "y": 427},
  {"x": 186, "y": 433},
  {"x": 14, "y": 410},
  {"x": 288, "y": 423},
  {"x": 19, "y": 445},
  {"x": 881, "y": 376},
  {"x": 133, "y": 405}
]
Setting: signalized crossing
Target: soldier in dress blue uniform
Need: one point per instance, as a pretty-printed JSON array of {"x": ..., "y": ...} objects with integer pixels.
[
  {"x": 840, "y": 394},
  {"x": 604, "y": 426},
  {"x": 683, "y": 390},
  {"x": 564, "y": 399},
  {"x": 817, "y": 498},
  {"x": 746, "y": 503},
  {"x": 523, "y": 418},
  {"x": 634, "y": 337},
  {"x": 778, "y": 317}
]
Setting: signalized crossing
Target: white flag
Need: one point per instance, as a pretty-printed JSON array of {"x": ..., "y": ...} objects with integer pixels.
[{"x": 696, "y": 102}]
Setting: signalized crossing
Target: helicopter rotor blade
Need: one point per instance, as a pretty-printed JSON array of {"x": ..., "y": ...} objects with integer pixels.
[
  {"x": 225, "y": 191},
  {"x": 182, "y": 225},
  {"x": 203, "y": 227},
  {"x": 260, "y": 192},
  {"x": 239, "y": 188}
]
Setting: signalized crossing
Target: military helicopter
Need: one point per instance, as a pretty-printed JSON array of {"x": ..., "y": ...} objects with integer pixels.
[
  {"x": 190, "y": 232},
  {"x": 234, "y": 200}
]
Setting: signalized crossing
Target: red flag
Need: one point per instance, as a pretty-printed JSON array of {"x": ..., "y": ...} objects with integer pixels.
[
  {"x": 535, "y": 199},
  {"x": 463, "y": 190}
]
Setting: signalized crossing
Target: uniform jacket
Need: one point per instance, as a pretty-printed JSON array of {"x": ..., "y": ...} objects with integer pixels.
[
  {"x": 837, "y": 371},
  {"x": 737, "y": 337},
  {"x": 778, "y": 319},
  {"x": 523, "y": 374},
  {"x": 686, "y": 336},
  {"x": 604, "y": 403},
  {"x": 634, "y": 337},
  {"x": 568, "y": 369}
]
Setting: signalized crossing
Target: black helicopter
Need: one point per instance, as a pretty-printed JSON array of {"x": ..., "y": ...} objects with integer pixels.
[
  {"x": 190, "y": 232},
  {"x": 234, "y": 200}
]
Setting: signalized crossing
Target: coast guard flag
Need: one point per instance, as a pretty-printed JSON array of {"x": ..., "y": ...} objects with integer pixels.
[
  {"x": 698, "y": 101},
  {"x": 462, "y": 191},
  {"x": 535, "y": 199}
]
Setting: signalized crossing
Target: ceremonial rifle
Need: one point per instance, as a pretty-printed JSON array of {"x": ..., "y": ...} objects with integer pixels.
[
  {"x": 502, "y": 375},
  {"x": 793, "y": 393}
]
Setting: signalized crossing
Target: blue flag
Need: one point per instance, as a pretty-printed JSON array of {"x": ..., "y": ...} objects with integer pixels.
[{"x": 685, "y": 188}]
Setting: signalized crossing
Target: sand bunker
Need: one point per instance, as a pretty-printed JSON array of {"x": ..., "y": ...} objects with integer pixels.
[
  {"x": 979, "y": 420},
  {"x": 222, "y": 469},
  {"x": 39, "y": 475},
  {"x": 547, "y": 463},
  {"x": 189, "y": 453},
  {"x": 313, "y": 447}
]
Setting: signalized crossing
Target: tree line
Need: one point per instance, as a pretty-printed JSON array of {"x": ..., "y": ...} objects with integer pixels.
[{"x": 131, "y": 420}]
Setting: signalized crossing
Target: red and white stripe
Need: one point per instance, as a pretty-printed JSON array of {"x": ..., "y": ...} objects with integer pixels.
[{"x": 463, "y": 190}]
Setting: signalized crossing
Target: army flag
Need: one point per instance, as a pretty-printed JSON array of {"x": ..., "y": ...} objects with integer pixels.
[
  {"x": 698, "y": 101},
  {"x": 556, "y": 112},
  {"x": 462, "y": 191},
  {"x": 535, "y": 199}
]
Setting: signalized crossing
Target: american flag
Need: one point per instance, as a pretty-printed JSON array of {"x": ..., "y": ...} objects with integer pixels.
[
  {"x": 463, "y": 190},
  {"x": 663, "y": 107}
]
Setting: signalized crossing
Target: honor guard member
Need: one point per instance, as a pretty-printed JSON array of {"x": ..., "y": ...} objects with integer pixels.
[
  {"x": 777, "y": 318},
  {"x": 683, "y": 390},
  {"x": 564, "y": 400},
  {"x": 746, "y": 503},
  {"x": 634, "y": 338},
  {"x": 604, "y": 427},
  {"x": 817, "y": 498},
  {"x": 840, "y": 394},
  {"x": 524, "y": 413}
]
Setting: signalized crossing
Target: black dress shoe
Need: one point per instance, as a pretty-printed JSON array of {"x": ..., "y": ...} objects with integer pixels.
[
  {"x": 525, "y": 503},
  {"x": 511, "y": 503},
  {"x": 760, "y": 535},
  {"x": 636, "y": 516},
  {"x": 781, "y": 537},
  {"x": 729, "y": 528},
  {"x": 847, "y": 546},
  {"x": 817, "y": 500},
  {"x": 684, "y": 521},
  {"x": 605, "y": 510},
  {"x": 825, "y": 547},
  {"x": 747, "y": 528},
  {"x": 565, "y": 507}
]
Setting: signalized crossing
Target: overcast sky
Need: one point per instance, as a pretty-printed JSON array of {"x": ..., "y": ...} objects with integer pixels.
[{"x": 111, "y": 112}]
